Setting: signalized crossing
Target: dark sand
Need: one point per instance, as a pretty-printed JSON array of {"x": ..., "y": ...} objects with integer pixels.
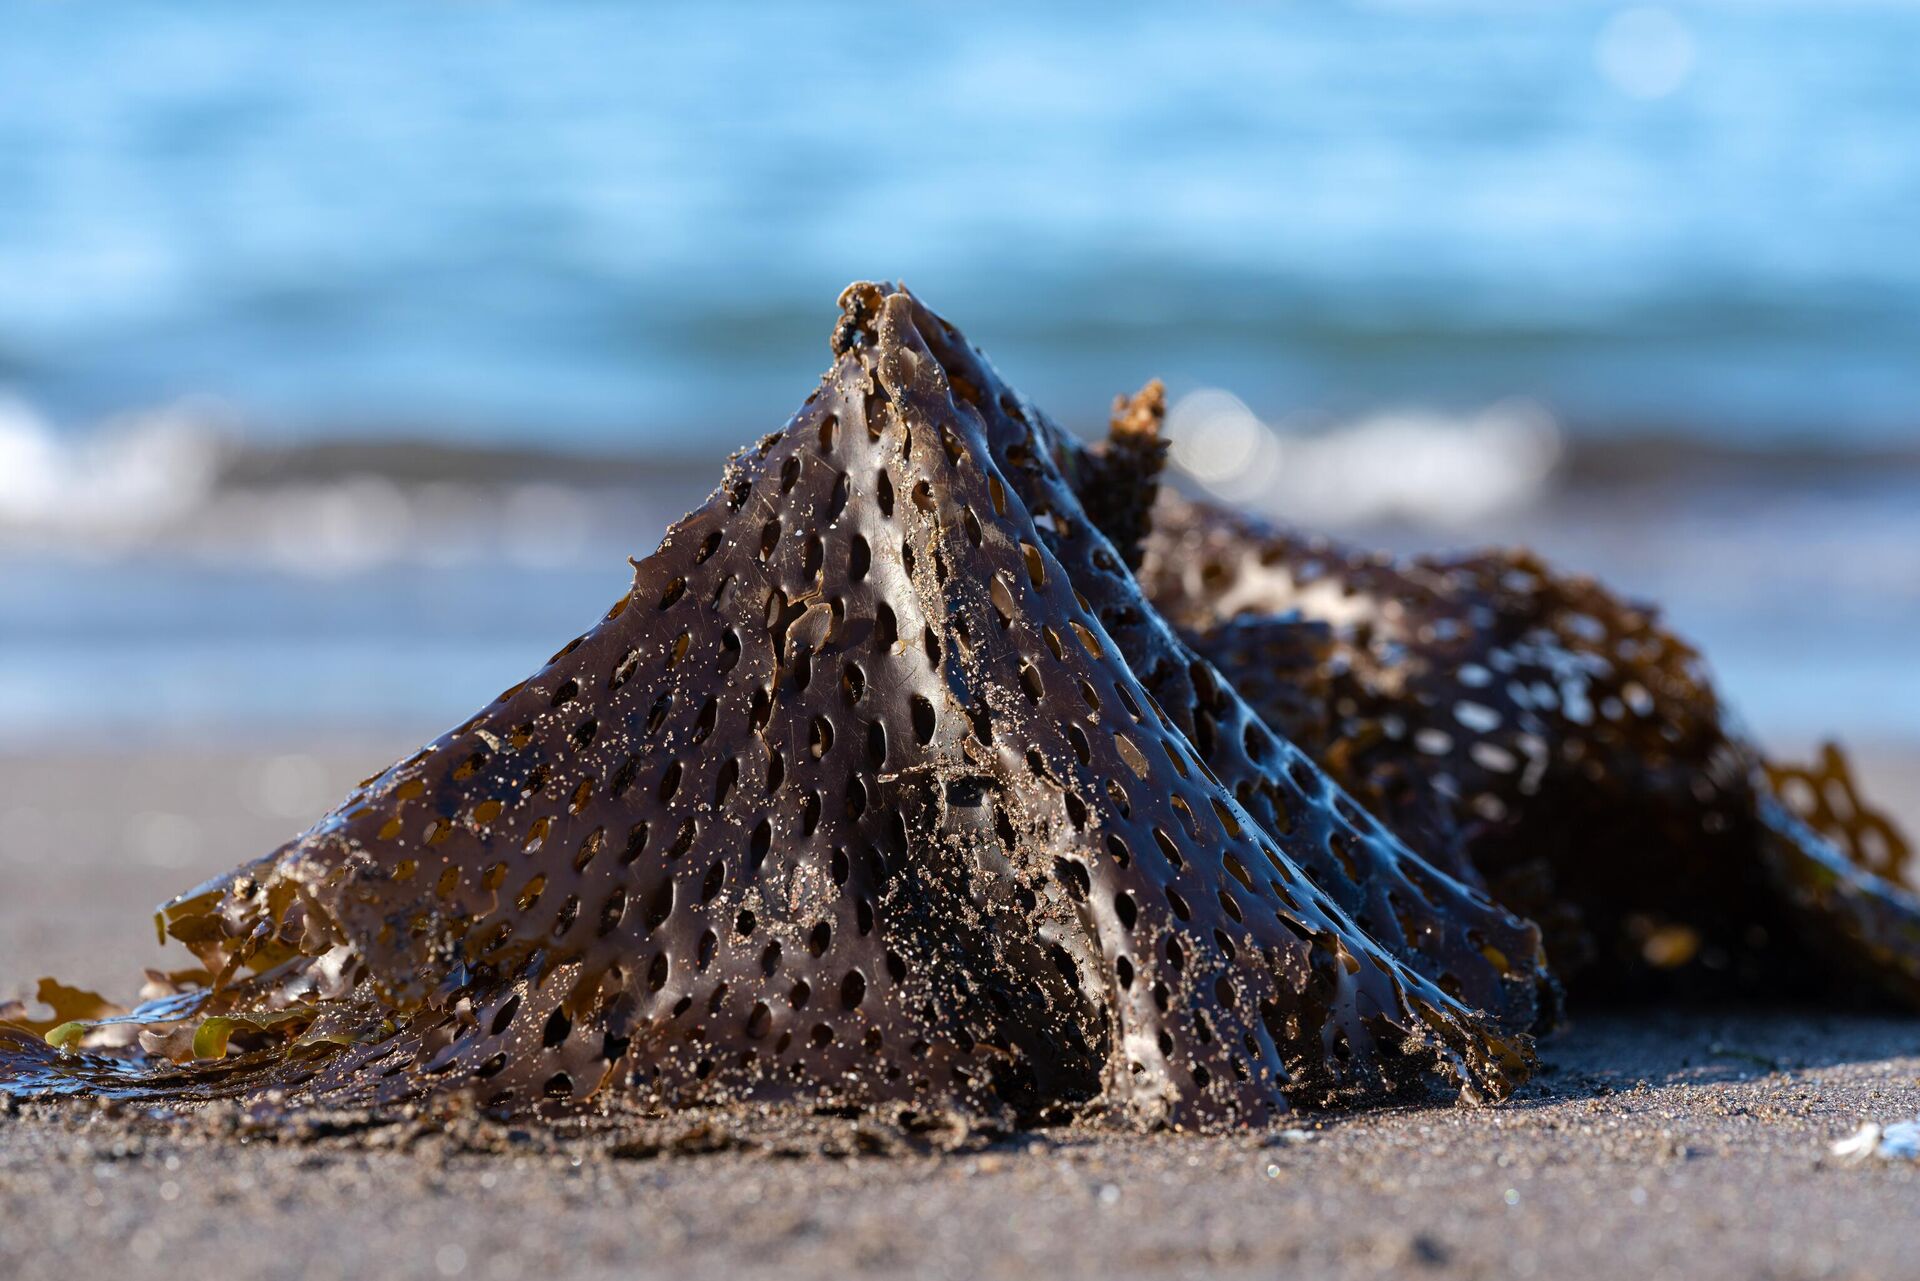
[{"x": 1679, "y": 1143}]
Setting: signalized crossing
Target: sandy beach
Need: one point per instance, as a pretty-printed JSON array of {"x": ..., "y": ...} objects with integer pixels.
[
  {"x": 354, "y": 359},
  {"x": 1677, "y": 1143}
]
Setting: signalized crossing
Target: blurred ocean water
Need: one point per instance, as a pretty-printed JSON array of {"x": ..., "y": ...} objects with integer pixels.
[
  {"x": 618, "y": 223},
  {"x": 344, "y": 350}
]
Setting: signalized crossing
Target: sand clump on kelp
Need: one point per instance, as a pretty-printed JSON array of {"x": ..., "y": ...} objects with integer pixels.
[{"x": 887, "y": 788}]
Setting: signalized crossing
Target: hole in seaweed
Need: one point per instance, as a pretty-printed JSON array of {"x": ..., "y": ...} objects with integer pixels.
[
  {"x": 1078, "y": 738},
  {"x": 853, "y": 990},
  {"x": 1030, "y": 682},
  {"x": 636, "y": 841},
  {"x": 1036, "y": 566},
  {"x": 611, "y": 913},
  {"x": 660, "y": 906},
  {"x": 1073, "y": 874},
  {"x": 1076, "y": 810}
]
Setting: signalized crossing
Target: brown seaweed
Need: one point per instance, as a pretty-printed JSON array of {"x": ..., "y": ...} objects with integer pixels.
[
  {"x": 1535, "y": 730},
  {"x": 884, "y": 785},
  {"x": 1845, "y": 872}
]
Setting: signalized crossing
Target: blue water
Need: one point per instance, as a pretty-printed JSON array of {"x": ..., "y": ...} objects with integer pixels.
[
  {"x": 601, "y": 223},
  {"x": 620, "y": 229}
]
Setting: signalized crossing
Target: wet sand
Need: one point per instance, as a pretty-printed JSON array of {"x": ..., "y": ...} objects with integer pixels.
[{"x": 1683, "y": 1143}]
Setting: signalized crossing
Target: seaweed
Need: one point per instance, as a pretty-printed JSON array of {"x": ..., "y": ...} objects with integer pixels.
[
  {"x": 940, "y": 763},
  {"x": 1534, "y": 732},
  {"x": 882, "y": 786}
]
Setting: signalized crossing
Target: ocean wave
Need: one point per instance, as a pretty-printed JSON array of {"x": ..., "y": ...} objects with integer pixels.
[
  {"x": 188, "y": 482},
  {"x": 113, "y": 486},
  {"x": 1419, "y": 465},
  {"x": 195, "y": 481}
]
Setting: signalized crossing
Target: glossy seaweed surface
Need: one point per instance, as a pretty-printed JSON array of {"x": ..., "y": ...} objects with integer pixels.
[
  {"x": 1534, "y": 732},
  {"x": 883, "y": 786},
  {"x": 934, "y": 765}
]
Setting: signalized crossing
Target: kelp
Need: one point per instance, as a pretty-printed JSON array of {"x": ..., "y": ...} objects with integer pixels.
[
  {"x": 1534, "y": 732},
  {"x": 1845, "y": 872},
  {"x": 940, "y": 763},
  {"x": 882, "y": 786}
]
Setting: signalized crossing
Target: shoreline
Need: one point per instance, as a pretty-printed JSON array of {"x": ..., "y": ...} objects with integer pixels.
[
  {"x": 1680, "y": 1143},
  {"x": 1663, "y": 1142}
]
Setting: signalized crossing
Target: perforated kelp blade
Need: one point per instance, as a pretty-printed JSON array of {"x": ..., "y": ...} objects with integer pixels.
[
  {"x": 850, "y": 800},
  {"x": 1845, "y": 872},
  {"x": 1535, "y": 729},
  {"x": 1451, "y": 933}
]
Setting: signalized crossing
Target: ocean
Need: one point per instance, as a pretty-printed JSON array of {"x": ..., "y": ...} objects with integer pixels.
[{"x": 346, "y": 350}]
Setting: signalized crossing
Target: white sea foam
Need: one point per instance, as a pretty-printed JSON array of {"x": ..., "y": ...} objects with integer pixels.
[
  {"x": 137, "y": 473},
  {"x": 1412, "y": 464},
  {"x": 184, "y": 482}
]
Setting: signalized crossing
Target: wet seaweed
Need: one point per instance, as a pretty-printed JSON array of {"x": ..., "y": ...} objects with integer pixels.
[
  {"x": 941, "y": 768},
  {"x": 1534, "y": 732},
  {"x": 883, "y": 786}
]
